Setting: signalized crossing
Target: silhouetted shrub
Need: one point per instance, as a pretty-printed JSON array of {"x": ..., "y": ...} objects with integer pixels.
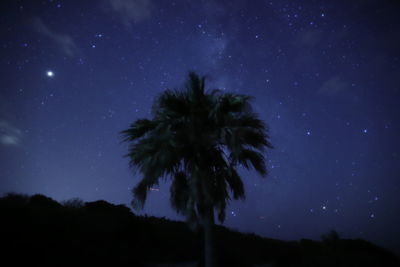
[
  {"x": 331, "y": 238},
  {"x": 73, "y": 203}
]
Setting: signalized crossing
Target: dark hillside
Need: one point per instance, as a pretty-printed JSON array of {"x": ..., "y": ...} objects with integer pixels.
[{"x": 38, "y": 230}]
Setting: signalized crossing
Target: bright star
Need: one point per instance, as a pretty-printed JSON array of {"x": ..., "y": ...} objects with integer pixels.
[{"x": 50, "y": 73}]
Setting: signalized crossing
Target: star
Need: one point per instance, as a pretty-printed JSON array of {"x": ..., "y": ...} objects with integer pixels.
[{"x": 50, "y": 73}]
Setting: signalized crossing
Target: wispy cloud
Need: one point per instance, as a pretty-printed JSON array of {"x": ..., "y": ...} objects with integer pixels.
[
  {"x": 310, "y": 38},
  {"x": 214, "y": 49},
  {"x": 132, "y": 11},
  {"x": 63, "y": 40},
  {"x": 333, "y": 86},
  {"x": 9, "y": 135},
  {"x": 213, "y": 9}
]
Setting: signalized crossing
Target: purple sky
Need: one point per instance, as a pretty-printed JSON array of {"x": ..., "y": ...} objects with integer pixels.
[{"x": 325, "y": 76}]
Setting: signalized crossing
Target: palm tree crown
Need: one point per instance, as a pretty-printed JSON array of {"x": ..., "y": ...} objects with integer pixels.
[{"x": 198, "y": 138}]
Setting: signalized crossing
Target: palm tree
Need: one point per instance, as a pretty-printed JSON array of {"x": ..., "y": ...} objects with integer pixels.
[{"x": 197, "y": 138}]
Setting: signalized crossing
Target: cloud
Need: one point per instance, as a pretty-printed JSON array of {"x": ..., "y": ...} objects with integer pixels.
[
  {"x": 333, "y": 86},
  {"x": 132, "y": 11},
  {"x": 64, "y": 41},
  {"x": 310, "y": 38},
  {"x": 9, "y": 135},
  {"x": 213, "y": 10},
  {"x": 214, "y": 49}
]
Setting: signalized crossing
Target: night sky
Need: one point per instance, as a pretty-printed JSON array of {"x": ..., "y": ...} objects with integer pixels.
[{"x": 325, "y": 76}]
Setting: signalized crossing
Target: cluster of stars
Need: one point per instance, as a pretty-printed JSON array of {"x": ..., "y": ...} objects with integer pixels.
[{"x": 319, "y": 135}]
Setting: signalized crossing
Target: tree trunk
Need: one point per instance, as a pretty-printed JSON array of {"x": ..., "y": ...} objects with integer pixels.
[{"x": 209, "y": 244}]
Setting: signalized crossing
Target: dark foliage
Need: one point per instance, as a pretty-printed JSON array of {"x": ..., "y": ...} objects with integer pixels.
[
  {"x": 39, "y": 231},
  {"x": 199, "y": 139}
]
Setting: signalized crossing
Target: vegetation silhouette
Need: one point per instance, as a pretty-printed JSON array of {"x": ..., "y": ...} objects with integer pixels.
[
  {"x": 198, "y": 138},
  {"x": 38, "y": 231}
]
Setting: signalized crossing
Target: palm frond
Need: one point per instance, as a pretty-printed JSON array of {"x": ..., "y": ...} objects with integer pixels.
[
  {"x": 195, "y": 86},
  {"x": 234, "y": 103},
  {"x": 171, "y": 103},
  {"x": 248, "y": 158},
  {"x": 235, "y": 183},
  {"x": 140, "y": 193},
  {"x": 138, "y": 129},
  {"x": 180, "y": 193}
]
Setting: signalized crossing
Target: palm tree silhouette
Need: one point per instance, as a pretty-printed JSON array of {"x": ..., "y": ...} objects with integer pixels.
[{"x": 197, "y": 138}]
